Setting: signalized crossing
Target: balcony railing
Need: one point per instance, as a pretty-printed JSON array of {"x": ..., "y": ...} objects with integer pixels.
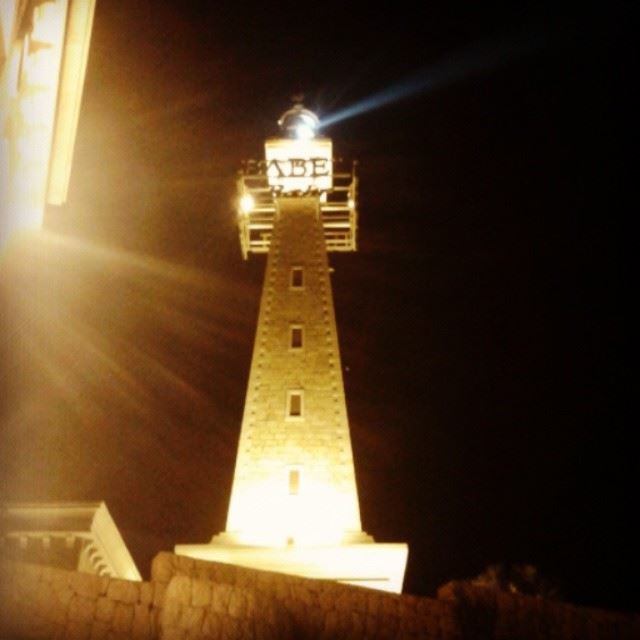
[{"x": 337, "y": 208}]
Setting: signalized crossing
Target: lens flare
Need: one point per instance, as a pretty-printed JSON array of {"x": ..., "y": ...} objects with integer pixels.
[{"x": 110, "y": 353}]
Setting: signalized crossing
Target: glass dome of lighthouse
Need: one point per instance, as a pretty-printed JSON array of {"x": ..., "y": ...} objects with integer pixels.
[{"x": 299, "y": 123}]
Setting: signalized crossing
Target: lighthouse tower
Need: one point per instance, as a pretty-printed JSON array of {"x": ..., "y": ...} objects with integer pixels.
[{"x": 294, "y": 502}]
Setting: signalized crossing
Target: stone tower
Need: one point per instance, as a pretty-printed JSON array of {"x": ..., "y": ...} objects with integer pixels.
[
  {"x": 295, "y": 451},
  {"x": 294, "y": 502}
]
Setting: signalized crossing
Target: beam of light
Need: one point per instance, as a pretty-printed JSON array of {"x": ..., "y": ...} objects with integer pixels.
[
  {"x": 479, "y": 58},
  {"x": 176, "y": 298},
  {"x": 110, "y": 354}
]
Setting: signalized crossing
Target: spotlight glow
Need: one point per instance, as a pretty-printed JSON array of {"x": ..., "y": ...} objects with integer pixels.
[
  {"x": 247, "y": 203},
  {"x": 299, "y": 123},
  {"x": 304, "y": 131}
]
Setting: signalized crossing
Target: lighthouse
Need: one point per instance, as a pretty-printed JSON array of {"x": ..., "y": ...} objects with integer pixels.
[{"x": 294, "y": 504}]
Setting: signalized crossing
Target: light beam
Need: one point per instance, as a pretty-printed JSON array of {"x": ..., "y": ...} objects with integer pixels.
[{"x": 481, "y": 57}]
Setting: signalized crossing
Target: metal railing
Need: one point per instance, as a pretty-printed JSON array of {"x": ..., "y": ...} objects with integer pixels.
[{"x": 337, "y": 208}]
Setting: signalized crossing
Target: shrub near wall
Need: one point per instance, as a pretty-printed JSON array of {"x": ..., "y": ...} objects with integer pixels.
[{"x": 488, "y": 613}]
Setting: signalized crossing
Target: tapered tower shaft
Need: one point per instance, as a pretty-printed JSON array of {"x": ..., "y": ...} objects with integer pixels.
[{"x": 294, "y": 480}]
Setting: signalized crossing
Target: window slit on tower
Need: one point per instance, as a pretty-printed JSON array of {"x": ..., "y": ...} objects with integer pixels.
[
  {"x": 294, "y": 404},
  {"x": 297, "y": 278},
  {"x": 294, "y": 482},
  {"x": 295, "y": 338}
]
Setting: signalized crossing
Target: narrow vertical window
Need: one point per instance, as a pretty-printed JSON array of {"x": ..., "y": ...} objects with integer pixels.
[
  {"x": 294, "y": 404},
  {"x": 296, "y": 337},
  {"x": 294, "y": 482},
  {"x": 297, "y": 278}
]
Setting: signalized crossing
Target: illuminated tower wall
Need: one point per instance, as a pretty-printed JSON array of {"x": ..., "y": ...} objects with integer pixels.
[
  {"x": 295, "y": 449},
  {"x": 294, "y": 502}
]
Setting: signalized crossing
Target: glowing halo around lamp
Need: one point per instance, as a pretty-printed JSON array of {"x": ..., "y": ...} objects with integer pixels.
[
  {"x": 299, "y": 123},
  {"x": 247, "y": 203},
  {"x": 267, "y": 515}
]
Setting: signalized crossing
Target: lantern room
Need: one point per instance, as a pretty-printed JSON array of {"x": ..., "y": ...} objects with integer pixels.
[{"x": 298, "y": 163}]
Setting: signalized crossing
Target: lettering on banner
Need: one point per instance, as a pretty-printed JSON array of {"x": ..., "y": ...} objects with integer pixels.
[{"x": 289, "y": 168}]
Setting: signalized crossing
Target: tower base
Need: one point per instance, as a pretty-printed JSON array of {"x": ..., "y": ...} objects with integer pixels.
[{"x": 368, "y": 564}]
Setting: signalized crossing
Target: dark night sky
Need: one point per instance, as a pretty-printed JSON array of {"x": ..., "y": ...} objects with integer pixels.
[{"x": 482, "y": 322}]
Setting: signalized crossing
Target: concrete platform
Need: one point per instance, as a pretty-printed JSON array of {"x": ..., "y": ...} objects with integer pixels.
[{"x": 374, "y": 565}]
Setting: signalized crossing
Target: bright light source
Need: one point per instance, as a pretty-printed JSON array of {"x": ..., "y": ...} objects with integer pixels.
[
  {"x": 43, "y": 54},
  {"x": 351, "y": 203},
  {"x": 264, "y": 513},
  {"x": 247, "y": 203},
  {"x": 299, "y": 123},
  {"x": 304, "y": 131}
]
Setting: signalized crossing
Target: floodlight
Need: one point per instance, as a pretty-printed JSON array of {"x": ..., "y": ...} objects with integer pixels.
[{"x": 247, "y": 203}]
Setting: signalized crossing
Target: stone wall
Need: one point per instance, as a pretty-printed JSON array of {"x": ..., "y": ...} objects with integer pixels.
[
  {"x": 319, "y": 608},
  {"x": 190, "y": 599},
  {"x": 44, "y": 602}
]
